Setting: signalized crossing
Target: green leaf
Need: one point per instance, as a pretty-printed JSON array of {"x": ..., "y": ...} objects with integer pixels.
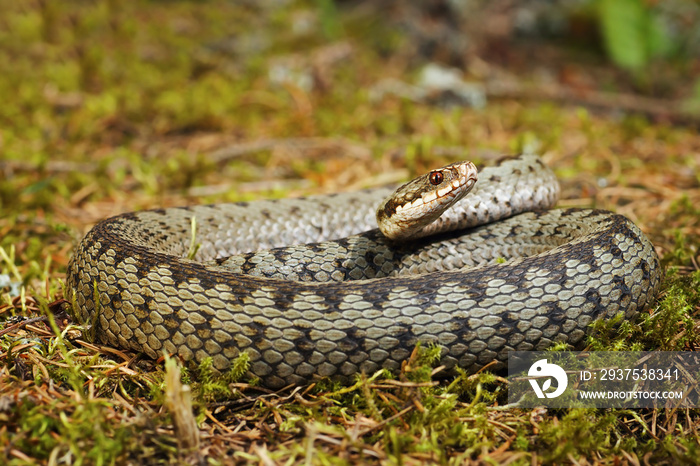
[
  {"x": 659, "y": 42},
  {"x": 623, "y": 24}
]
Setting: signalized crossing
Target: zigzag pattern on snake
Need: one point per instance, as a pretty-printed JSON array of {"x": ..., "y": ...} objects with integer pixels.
[{"x": 520, "y": 281}]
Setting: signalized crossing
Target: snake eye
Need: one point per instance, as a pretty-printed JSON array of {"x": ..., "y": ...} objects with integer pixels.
[{"x": 436, "y": 178}]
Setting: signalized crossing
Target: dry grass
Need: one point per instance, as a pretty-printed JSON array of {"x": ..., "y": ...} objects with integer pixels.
[{"x": 106, "y": 109}]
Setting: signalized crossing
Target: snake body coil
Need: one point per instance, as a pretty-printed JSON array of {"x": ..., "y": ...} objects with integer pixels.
[{"x": 361, "y": 303}]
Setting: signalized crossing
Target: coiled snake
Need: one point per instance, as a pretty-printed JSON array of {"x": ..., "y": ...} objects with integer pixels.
[{"x": 522, "y": 281}]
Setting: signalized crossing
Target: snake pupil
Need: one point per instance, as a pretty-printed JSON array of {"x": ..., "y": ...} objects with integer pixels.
[{"x": 436, "y": 178}]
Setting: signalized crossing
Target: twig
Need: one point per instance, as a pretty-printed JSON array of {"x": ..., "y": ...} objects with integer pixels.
[
  {"x": 656, "y": 109},
  {"x": 19, "y": 325},
  {"x": 301, "y": 144}
]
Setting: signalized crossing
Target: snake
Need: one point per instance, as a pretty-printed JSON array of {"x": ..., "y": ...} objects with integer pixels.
[{"x": 310, "y": 289}]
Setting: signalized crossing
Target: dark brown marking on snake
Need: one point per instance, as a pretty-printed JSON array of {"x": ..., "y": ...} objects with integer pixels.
[
  {"x": 305, "y": 344},
  {"x": 620, "y": 285},
  {"x": 645, "y": 271},
  {"x": 505, "y": 158},
  {"x": 390, "y": 207},
  {"x": 592, "y": 296},
  {"x": 556, "y": 312}
]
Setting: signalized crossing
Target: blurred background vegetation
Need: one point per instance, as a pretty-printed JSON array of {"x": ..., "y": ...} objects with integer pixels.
[{"x": 109, "y": 106}]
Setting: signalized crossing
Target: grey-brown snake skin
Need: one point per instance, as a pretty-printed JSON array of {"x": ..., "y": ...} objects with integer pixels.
[{"x": 375, "y": 300}]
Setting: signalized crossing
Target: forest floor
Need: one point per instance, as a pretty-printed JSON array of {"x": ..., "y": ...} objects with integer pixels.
[{"x": 110, "y": 107}]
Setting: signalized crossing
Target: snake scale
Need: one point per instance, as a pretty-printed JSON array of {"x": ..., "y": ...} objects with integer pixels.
[{"x": 351, "y": 300}]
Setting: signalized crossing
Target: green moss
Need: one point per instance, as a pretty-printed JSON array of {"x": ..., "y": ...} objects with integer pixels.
[
  {"x": 137, "y": 105},
  {"x": 209, "y": 385},
  {"x": 670, "y": 326},
  {"x": 578, "y": 433}
]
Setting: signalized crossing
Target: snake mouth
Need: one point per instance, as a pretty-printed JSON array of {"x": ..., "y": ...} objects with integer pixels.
[{"x": 435, "y": 198}]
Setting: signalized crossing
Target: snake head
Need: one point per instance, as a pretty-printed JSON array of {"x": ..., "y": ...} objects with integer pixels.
[{"x": 421, "y": 201}]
